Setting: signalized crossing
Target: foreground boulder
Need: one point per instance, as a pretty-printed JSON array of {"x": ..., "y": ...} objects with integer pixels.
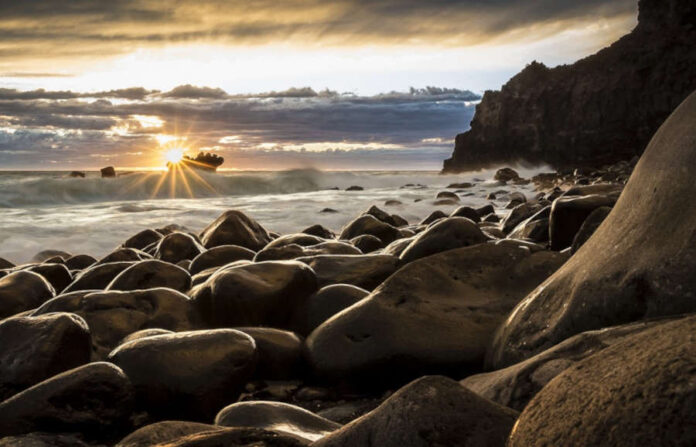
[
  {"x": 57, "y": 275},
  {"x": 143, "y": 239},
  {"x": 369, "y": 224},
  {"x": 324, "y": 304},
  {"x": 568, "y": 215},
  {"x": 235, "y": 228},
  {"x": 637, "y": 392},
  {"x": 638, "y": 264},
  {"x": 97, "y": 277},
  {"x": 279, "y": 353},
  {"x": 95, "y": 399},
  {"x": 276, "y": 416},
  {"x": 365, "y": 271},
  {"x": 164, "y": 432},
  {"x": 258, "y": 294},
  {"x": 176, "y": 247},
  {"x": 22, "y": 290},
  {"x": 113, "y": 315},
  {"x": 150, "y": 274},
  {"x": 219, "y": 256},
  {"x": 447, "y": 234},
  {"x": 188, "y": 374},
  {"x": 437, "y": 314},
  {"x": 35, "y": 348},
  {"x": 431, "y": 411}
]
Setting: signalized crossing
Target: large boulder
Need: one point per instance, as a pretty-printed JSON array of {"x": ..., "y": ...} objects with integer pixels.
[
  {"x": 437, "y": 314},
  {"x": 569, "y": 213},
  {"x": 365, "y": 271},
  {"x": 79, "y": 262},
  {"x": 431, "y": 411},
  {"x": 258, "y": 294},
  {"x": 446, "y": 234},
  {"x": 369, "y": 224},
  {"x": 534, "y": 228},
  {"x": 327, "y": 302},
  {"x": 150, "y": 274},
  {"x": 637, "y": 392},
  {"x": 279, "y": 353},
  {"x": 164, "y": 432},
  {"x": 57, "y": 275},
  {"x": 124, "y": 255},
  {"x": 188, "y": 374},
  {"x": 33, "y": 349},
  {"x": 176, "y": 247},
  {"x": 294, "y": 251},
  {"x": 219, "y": 256},
  {"x": 143, "y": 239},
  {"x": 22, "y": 290},
  {"x": 638, "y": 264},
  {"x": 95, "y": 399},
  {"x": 97, "y": 277},
  {"x": 235, "y": 228},
  {"x": 113, "y": 315}
]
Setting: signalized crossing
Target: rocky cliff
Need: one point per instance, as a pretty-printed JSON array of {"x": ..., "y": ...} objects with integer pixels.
[{"x": 601, "y": 109}]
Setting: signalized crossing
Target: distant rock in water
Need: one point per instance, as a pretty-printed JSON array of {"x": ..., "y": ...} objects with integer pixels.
[
  {"x": 204, "y": 161},
  {"x": 108, "y": 172},
  {"x": 599, "y": 110}
]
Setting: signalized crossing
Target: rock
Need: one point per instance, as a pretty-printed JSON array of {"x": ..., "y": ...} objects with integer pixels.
[
  {"x": 5, "y": 264},
  {"x": 515, "y": 198},
  {"x": 447, "y": 234},
  {"x": 368, "y": 224},
  {"x": 113, "y": 315},
  {"x": 393, "y": 202},
  {"x": 328, "y": 211},
  {"x": 399, "y": 221},
  {"x": 460, "y": 185},
  {"x": 143, "y": 239},
  {"x": 76, "y": 174},
  {"x": 366, "y": 271},
  {"x": 33, "y": 349},
  {"x": 219, "y": 256},
  {"x": 187, "y": 374},
  {"x": 79, "y": 262},
  {"x": 535, "y": 117},
  {"x": 164, "y": 432},
  {"x": 639, "y": 263},
  {"x": 568, "y": 214},
  {"x": 177, "y": 247},
  {"x": 44, "y": 440},
  {"x": 468, "y": 212},
  {"x": 534, "y": 228},
  {"x": 436, "y": 314},
  {"x": 276, "y": 416},
  {"x": 589, "y": 226},
  {"x": 491, "y": 196},
  {"x": 150, "y": 274},
  {"x": 124, "y": 255},
  {"x": 258, "y": 294},
  {"x": 47, "y": 254},
  {"x": 279, "y": 353},
  {"x": 97, "y": 277},
  {"x": 237, "y": 437},
  {"x": 447, "y": 195},
  {"x": 492, "y": 218},
  {"x": 235, "y": 228},
  {"x": 294, "y": 251},
  {"x": 22, "y": 290},
  {"x": 301, "y": 239},
  {"x": 108, "y": 172},
  {"x": 144, "y": 333},
  {"x": 355, "y": 188},
  {"x": 57, "y": 275},
  {"x": 518, "y": 214},
  {"x": 95, "y": 399},
  {"x": 367, "y": 243},
  {"x": 320, "y": 231},
  {"x": 435, "y": 215},
  {"x": 324, "y": 304},
  {"x": 431, "y": 411},
  {"x": 397, "y": 247},
  {"x": 381, "y": 215},
  {"x": 636, "y": 392},
  {"x": 506, "y": 175}
]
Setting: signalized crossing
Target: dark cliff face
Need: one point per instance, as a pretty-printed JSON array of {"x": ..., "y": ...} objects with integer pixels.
[{"x": 601, "y": 109}]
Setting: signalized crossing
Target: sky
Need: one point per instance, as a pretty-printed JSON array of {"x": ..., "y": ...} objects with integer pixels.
[{"x": 344, "y": 84}]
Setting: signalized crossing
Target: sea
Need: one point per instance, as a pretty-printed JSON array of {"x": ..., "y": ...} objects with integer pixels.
[{"x": 94, "y": 215}]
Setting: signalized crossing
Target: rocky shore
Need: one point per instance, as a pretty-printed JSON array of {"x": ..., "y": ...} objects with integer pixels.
[{"x": 567, "y": 320}]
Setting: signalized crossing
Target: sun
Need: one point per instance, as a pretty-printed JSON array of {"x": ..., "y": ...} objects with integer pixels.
[{"x": 174, "y": 155}]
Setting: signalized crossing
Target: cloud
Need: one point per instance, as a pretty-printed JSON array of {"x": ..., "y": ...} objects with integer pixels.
[{"x": 127, "y": 93}]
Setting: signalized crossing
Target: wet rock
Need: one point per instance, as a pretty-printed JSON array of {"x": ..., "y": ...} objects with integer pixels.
[
  {"x": 399, "y": 221},
  {"x": 144, "y": 333},
  {"x": 238, "y": 437},
  {"x": 113, "y": 315},
  {"x": 79, "y": 262},
  {"x": 33, "y": 349},
  {"x": 518, "y": 214},
  {"x": 57, "y": 275},
  {"x": 366, "y": 271},
  {"x": 328, "y": 211},
  {"x": 22, "y": 290},
  {"x": 187, "y": 374},
  {"x": 368, "y": 224},
  {"x": 431, "y": 411},
  {"x": 294, "y": 251},
  {"x": 124, "y": 255},
  {"x": 258, "y": 294},
  {"x": 636, "y": 392},
  {"x": 324, "y": 304},
  {"x": 447, "y": 195},
  {"x": 108, "y": 172},
  {"x": 506, "y": 175},
  {"x": 434, "y": 315},
  {"x": 589, "y": 226},
  {"x": 279, "y": 353},
  {"x": 219, "y": 256},
  {"x": 534, "y": 228},
  {"x": 97, "y": 277},
  {"x": 94, "y": 399},
  {"x": 320, "y": 231},
  {"x": 367, "y": 243},
  {"x": 393, "y": 202},
  {"x": 5, "y": 264},
  {"x": 381, "y": 215},
  {"x": 276, "y": 416},
  {"x": 468, "y": 212},
  {"x": 639, "y": 264},
  {"x": 177, "y": 247},
  {"x": 235, "y": 228},
  {"x": 47, "y": 254},
  {"x": 435, "y": 215},
  {"x": 355, "y": 188},
  {"x": 568, "y": 214},
  {"x": 150, "y": 274},
  {"x": 143, "y": 239},
  {"x": 164, "y": 432},
  {"x": 492, "y": 218},
  {"x": 491, "y": 196},
  {"x": 447, "y": 234},
  {"x": 460, "y": 185},
  {"x": 516, "y": 198}
]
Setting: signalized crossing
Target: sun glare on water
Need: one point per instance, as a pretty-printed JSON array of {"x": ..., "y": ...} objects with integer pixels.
[{"x": 174, "y": 155}]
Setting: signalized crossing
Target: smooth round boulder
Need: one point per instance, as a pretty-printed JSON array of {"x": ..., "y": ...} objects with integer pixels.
[
  {"x": 188, "y": 374},
  {"x": 94, "y": 399},
  {"x": 111, "y": 316},
  {"x": 176, "y": 247},
  {"x": 468, "y": 212},
  {"x": 258, "y": 294},
  {"x": 45, "y": 255},
  {"x": 279, "y": 353},
  {"x": 142, "y": 239},
  {"x": 22, "y": 290},
  {"x": 164, "y": 432},
  {"x": 436, "y": 314},
  {"x": 365, "y": 271},
  {"x": 124, "y": 255},
  {"x": 446, "y": 234},
  {"x": 144, "y": 333},
  {"x": 637, "y": 392},
  {"x": 506, "y": 175},
  {"x": 97, "y": 277},
  {"x": 534, "y": 228},
  {"x": 367, "y": 243},
  {"x": 320, "y": 231},
  {"x": 219, "y": 256},
  {"x": 381, "y": 215},
  {"x": 150, "y": 274},
  {"x": 368, "y": 224},
  {"x": 434, "y": 216},
  {"x": 568, "y": 214},
  {"x": 5, "y": 264},
  {"x": 430, "y": 411},
  {"x": 294, "y": 251},
  {"x": 79, "y": 262},
  {"x": 518, "y": 214},
  {"x": 235, "y": 228},
  {"x": 33, "y": 349},
  {"x": 237, "y": 437},
  {"x": 276, "y": 416},
  {"x": 57, "y": 275},
  {"x": 324, "y": 304},
  {"x": 638, "y": 264}
]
